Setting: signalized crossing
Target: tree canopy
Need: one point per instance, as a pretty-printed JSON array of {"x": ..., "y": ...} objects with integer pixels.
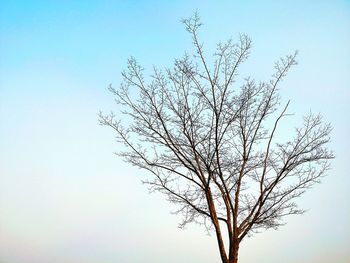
[{"x": 211, "y": 146}]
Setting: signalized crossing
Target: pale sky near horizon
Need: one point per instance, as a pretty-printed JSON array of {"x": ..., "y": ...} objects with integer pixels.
[{"x": 64, "y": 196}]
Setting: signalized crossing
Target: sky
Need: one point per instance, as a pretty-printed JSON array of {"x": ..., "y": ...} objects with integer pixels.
[{"x": 64, "y": 195}]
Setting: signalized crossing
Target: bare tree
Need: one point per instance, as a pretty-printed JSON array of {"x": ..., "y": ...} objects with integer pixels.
[{"x": 212, "y": 148}]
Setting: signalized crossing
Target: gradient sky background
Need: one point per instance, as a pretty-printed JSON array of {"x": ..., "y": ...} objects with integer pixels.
[{"x": 64, "y": 197}]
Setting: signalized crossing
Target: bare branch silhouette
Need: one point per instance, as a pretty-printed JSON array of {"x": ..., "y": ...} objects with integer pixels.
[{"x": 211, "y": 146}]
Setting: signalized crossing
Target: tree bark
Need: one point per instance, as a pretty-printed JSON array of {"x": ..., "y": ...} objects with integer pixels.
[{"x": 234, "y": 258}]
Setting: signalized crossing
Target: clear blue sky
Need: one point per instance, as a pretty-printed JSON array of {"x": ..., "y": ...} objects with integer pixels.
[{"x": 64, "y": 197}]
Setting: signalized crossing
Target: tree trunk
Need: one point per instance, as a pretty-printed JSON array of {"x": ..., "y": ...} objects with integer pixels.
[
  {"x": 216, "y": 225},
  {"x": 234, "y": 258}
]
